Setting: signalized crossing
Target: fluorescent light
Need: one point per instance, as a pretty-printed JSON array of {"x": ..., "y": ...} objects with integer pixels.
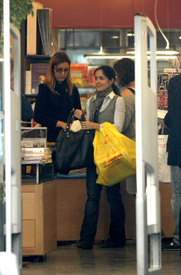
[
  {"x": 167, "y": 52},
  {"x": 115, "y": 37},
  {"x": 160, "y": 55},
  {"x": 119, "y": 56},
  {"x": 164, "y": 57},
  {"x": 157, "y": 52},
  {"x": 106, "y": 56}
]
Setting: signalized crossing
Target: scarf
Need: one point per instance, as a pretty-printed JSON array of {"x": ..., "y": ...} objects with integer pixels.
[{"x": 95, "y": 105}]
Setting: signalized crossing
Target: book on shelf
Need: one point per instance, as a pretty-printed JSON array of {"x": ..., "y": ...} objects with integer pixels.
[
  {"x": 35, "y": 150},
  {"x": 28, "y": 83},
  {"x": 92, "y": 78},
  {"x": 162, "y": 86},
  {"x": 34, "y": 137},
  {"x": 38, "y": 72},
  {"x": 36, "y": 154},
  {"x": 163, "y": 80},
  {"x": 28, "y": 162},
  {"x": 161, "y": 113},
  {"x": 83, "y": 102},
  {"x": 162, "y": 99},
  {"x": 79, "y": 74}
]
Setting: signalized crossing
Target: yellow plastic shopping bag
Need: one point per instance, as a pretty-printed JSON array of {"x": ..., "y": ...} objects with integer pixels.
[{"x": 114, "y": 155}]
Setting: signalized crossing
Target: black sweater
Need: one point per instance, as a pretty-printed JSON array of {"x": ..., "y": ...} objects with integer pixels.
[{"x": 51, "y": 107}]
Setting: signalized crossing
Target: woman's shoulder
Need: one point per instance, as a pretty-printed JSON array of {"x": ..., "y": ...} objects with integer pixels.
[
  {"x": 44, "y": 90},
  {"x": 129, "y": 101},
  {"x": 75, "y": 89},
  {"x": 126, "y": 92},
  {"x": 118, "y": 98},
  {"x": 92, "y": 97},
  {"x": 44, "y": 87}
]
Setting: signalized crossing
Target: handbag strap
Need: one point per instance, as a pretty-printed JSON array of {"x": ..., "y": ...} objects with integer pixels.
[
  {"x": 71, "y": 117},
  {"x": 132, "y": 90}
]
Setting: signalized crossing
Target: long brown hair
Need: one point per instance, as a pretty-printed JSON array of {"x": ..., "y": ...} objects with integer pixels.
[{"x": 50, "y": 81}]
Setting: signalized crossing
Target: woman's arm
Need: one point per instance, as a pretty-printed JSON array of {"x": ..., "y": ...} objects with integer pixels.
[
  {"x": 88, "y": 125},
  {"x": 41, "y": 109},
  {"x": 119, "y": 114}
]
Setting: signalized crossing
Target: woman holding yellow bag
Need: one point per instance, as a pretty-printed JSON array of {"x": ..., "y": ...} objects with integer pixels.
[{"x": 105, "y": 106}]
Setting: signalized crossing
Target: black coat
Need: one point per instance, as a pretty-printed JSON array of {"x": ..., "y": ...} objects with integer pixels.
[
  {"x": 173, "y": 121},
  {"x": 51, "y": 107}
]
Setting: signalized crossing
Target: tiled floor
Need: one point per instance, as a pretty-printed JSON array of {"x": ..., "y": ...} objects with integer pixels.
[{"x": 68, "y": 259}]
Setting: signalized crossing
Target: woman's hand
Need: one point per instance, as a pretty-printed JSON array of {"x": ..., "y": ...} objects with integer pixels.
[
  {"x": 87, "y": 125},
  {"x": 78, "y": 113},
  {"x": 61, "y": 124}
]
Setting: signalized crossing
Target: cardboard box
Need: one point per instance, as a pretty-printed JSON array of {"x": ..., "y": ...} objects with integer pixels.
[{"x": 32, "y": 30}]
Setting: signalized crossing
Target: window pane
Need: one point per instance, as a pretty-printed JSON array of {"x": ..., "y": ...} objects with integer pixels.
[
  {"x": 86, "y": 39},
  {"x": 111, "y": 39}
]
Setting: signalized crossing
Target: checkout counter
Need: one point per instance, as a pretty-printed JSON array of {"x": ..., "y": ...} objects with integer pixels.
[
  {"x": 53, "y": 211},
  {"x": 53, "y": 207}
]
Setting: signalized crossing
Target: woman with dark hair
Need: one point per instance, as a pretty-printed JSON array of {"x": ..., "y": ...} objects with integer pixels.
[
  {"x": 126, "y": 78},
  {"x": 57, "y": 96},
  {"x": 105, "y": 106},
  {"x": 125, "y": 72}
]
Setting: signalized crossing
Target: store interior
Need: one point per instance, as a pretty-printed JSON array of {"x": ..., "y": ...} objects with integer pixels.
[{"x": 92, "y": 34}]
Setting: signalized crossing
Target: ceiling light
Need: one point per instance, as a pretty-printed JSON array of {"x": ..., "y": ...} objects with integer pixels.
[
  {"x": 131, "y": 55},
  {"x": 115, "y": 37},
  {"x": 163, "y": 57},
  {"x": 107, "y": 56},
  {"x": 167, "y": 52},
  {"x": 164, "y": 52}
]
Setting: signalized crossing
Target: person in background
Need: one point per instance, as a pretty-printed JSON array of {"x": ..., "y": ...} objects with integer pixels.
[
  {"x": 57, "y": 96},
  {"x": 105, "y": 106},
  {"x": 26, "y": 109},
  {"x": 125, "y": 71},
  {"x": 172, "y": 121}
]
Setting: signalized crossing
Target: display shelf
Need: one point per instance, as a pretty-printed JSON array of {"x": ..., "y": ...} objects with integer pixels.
[
  {"x": 38, "y": 57},
  {"x": 39, "y": 234},
  {"x": 43, "y": 172}
]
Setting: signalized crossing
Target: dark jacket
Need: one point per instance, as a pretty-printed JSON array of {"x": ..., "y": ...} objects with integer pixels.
[
  {"x": 51, "y": 107},
  {"x": 173, "y": 121}
]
